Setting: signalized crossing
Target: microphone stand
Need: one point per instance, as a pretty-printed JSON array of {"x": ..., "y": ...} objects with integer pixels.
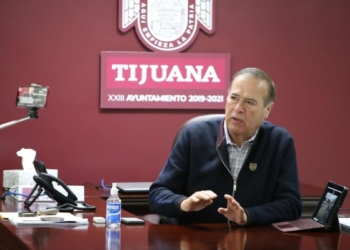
[{"x": 32, "y": 114}]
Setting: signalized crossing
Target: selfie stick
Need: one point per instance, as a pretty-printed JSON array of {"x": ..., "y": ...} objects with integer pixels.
[{"x": 32, "y": 114}]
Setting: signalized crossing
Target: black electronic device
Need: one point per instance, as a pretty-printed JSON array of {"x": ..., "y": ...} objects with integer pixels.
[
  {"x": 132, "y": 221},
  {"x": 39, "y": 167},
  {"x": 44, "y": 183},
  {"x": 325, "y": 216},
  {"x": 32, "y": 96}
]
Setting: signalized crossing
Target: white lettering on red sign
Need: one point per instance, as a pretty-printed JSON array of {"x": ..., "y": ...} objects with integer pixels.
[{"x": 164, "y": 73}]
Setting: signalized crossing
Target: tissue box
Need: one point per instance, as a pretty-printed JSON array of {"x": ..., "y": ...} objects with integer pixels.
[
  {"x": 18, "y": 177},
  {"x": 25, "y": 189}
]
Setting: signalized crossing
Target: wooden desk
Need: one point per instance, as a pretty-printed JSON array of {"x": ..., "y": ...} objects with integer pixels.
[
  {"x": 137, "y": 203},
  {"x": 167, "y": 237}
]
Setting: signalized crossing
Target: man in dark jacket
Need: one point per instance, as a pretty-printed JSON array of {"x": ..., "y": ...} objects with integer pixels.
[{"x": 242, "y": 168}]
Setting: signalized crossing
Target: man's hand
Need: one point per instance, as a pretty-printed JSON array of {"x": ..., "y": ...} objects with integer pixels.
[
  {"x": 198, "y": 201},
  {"x": 234, "y": 212}
]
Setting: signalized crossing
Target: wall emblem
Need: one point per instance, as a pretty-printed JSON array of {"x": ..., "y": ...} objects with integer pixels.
[{"x": 167, "y": 25}]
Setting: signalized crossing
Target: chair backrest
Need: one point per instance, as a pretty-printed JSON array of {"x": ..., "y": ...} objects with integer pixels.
[{"x": 194, "y": 120}]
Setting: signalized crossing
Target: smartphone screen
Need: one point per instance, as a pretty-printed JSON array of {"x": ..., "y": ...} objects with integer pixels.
[
  {"x": 132, "y": 221},
  {"x": 32, "y": 97}
]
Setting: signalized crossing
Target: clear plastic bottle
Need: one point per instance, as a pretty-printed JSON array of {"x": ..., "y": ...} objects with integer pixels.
[
  {"x": 113, "y": 238},
  {"x": 114, "y": 207}
]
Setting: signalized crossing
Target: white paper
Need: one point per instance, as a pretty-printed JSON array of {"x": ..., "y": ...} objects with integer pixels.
[
  {"x": 345, "y": 222},
  {"x": 6, "y": 215},
  {"x": 71, "y": 220}
]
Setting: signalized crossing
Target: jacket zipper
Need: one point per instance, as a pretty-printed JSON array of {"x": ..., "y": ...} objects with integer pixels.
[
  {"x": 234, "y": 183},
  {"x": 235, "y": 177},
  {"x": 228, "y": 170}
]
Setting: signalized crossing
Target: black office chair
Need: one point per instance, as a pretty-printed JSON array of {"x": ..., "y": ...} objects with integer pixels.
[
  {"x": 158, "y": 219},
  {"x": 194, "y": 120}
]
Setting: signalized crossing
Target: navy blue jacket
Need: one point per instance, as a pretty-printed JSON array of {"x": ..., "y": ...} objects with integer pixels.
[{"x": 199, "y": 161}]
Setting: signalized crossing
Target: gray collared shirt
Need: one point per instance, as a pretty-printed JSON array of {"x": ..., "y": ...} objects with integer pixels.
[{"x": 237, "y": 154}]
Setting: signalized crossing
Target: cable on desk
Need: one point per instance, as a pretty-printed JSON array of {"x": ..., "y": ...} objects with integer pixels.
[
  {"x": 92, "y": 184},
  {"x": 13, "y": 193},
  {"x": 103, "y": 185},
  {"x": 67, "y": 207}
]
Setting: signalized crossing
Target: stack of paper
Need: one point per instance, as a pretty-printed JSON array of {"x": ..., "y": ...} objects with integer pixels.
[
  {"x": 68, "y": 220},
  {"x": 345, "y": 223}
]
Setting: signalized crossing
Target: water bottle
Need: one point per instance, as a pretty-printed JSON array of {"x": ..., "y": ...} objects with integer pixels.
[
  {"x": 114, "y": 207},
  {"x": 113, "y": 238}
]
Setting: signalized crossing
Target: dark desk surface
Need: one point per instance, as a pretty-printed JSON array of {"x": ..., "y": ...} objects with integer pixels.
[
  {"x": 137, "y": 203},
  {"x": 152, "y": 236}
]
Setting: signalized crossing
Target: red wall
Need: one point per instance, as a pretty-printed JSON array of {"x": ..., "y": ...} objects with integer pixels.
[{"x": 303, "y": 45}]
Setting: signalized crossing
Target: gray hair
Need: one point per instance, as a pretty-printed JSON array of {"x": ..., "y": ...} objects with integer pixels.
[{"x": 258, "y": 74}]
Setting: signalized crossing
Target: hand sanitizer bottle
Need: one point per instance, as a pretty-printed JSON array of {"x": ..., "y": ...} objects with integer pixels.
[
  {"x": 113, "y": 238},
  {"x": 114, "y": 207}
]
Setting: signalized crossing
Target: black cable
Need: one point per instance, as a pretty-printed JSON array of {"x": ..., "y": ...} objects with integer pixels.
[
  {"x": 67, "y": 207},
  {"x": 13, "y": 193},
  {"x": 92, "y": 184}
]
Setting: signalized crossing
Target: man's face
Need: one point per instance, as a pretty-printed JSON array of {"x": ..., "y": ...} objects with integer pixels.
[{"x": 245, "y": 109}]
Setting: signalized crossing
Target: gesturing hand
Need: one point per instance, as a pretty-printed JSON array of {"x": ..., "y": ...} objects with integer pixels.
[
  {"x": 234, "y": 212},
  {"x": 198, "y": 201}
]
